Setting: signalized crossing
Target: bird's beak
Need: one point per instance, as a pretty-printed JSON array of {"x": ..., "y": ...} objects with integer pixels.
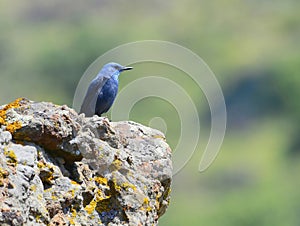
[{"x": 126, "y": 68}]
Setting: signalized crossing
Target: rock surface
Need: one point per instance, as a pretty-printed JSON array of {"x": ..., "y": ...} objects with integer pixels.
[{"x": 60, "y": 168}]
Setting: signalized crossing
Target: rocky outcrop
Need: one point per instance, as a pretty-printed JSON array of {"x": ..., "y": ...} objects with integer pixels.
[{"x": 60, "y": 168}]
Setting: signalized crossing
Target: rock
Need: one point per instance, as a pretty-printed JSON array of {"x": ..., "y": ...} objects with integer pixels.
[{"x": 60, "y": 168}]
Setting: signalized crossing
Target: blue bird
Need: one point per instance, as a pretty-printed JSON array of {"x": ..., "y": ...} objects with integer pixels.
[{"x": 102, "y": 90}]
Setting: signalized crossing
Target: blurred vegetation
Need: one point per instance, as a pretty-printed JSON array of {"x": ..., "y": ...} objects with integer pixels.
[{"x": 252, "y": 47}]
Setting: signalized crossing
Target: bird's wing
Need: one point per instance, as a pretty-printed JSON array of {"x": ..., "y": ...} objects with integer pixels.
[{"x": 89, "y": 103}]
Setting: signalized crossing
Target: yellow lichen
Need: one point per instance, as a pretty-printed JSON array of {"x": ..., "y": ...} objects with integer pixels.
[
  {"x": 33, "y": 188},
  {"x": 40, "y": 164},
  {"x": 91, "y": 207},
  {"x": 103, "y": 205},
  {"x": 117, "y": 187},
  {"x": 157, "y": 204},
  {"x": 3, "y": 175},
  {"x": 72, "y": 218},
  {"x": 101, "y": 180},
  {"x": 12, "y": 158},
  {"x": 128, "y": 186},
  {"x": 157, "y": 136},
  {"x": 125, "y": 185},
  {"x": 116, "y": 164},
  {"x": 146, "y": 201},
  {"x": 48, "y": 177},
  {"x": 54, "y": 197},
  {"x": 40, "y": 196},
  {"x": 99, "y": 203},
  {"x": 3, "y": 172},
  {"x": 101, "y": 196},
  {"x": 72, "y": 192},
  {"x": 72, "y": 222},
  {"x": 167, "y": 193},
  {"x": 38, "y": 217},
  {"x": 146, "y": 205},
  {"x": 74, "y": 182},
  {"x": 48, "y": 189},
  {"x": 73, "y": 211}
]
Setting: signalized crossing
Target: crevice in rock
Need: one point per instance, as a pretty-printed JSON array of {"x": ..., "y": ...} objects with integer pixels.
[{"x": 110, "y": 208}]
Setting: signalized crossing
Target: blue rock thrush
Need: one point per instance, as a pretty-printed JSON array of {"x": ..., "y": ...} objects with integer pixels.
[{"x": 102, "y": 90}]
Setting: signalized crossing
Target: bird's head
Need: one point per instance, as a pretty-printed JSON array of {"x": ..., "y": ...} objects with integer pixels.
[{"x": 114, "y": 68}]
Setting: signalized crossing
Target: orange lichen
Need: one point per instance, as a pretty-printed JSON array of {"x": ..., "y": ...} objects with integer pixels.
[
  {"x": 2, "y": 120},
  {"x": 14, "y": 104},
  {"x": 11, "y": 127}
]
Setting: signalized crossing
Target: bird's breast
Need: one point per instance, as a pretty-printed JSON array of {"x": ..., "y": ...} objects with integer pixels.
[{"x": 110, "y": 89}]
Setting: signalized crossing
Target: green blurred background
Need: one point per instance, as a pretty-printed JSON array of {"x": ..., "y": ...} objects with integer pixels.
[{"x": 252, "y": 47}]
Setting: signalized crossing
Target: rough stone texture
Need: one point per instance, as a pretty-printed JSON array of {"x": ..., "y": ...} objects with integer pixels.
[{"x": 58, "y": 168}]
